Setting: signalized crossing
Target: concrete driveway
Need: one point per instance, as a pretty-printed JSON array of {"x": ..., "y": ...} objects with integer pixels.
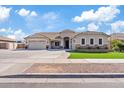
[
  {"x": 6, "y": 54},
  {"x": 15, "y": 62}
]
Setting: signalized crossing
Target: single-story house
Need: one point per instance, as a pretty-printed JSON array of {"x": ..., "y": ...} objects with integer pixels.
[
  {"x": 7, "y": 43},
  {"x": 67, "y": 39}
]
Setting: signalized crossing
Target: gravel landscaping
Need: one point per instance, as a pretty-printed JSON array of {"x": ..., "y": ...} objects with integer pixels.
[{"x": 76, "y": 68}]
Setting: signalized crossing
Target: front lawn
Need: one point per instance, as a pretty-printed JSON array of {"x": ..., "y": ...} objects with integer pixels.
[{"x": 109, "y": 55}]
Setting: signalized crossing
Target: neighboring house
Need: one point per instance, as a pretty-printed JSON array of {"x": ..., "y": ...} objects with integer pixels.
[
  {"x": 67, "y": 39},
  {"x": 20, "y": 45},
  {"x": 117, "y": 36},
  {"x": 7, "y": 43}
]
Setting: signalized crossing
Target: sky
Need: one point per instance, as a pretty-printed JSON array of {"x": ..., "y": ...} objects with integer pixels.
[{"x": 19, "y": 21}]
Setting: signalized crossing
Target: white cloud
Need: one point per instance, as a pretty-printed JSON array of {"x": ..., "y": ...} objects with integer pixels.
[
  {"x": 24, "y": 12},
  {"x": 80, "y": 28},
  {"x": 8, "y": 30},
  {"x": 117, "y": 26},
  {"x": 50, "y": 21},
  {"x": 33, "y": 13},
  {"x": 103, "y": 14},
  {"x": 17, "y": 34},
  {"x": 92, "y": 27},
  {"x": 14, "y": 34},
  {"x": 50, "y": 15},
  {"x": 2, "y": 30},
  {"x": 4, "y": 13}
]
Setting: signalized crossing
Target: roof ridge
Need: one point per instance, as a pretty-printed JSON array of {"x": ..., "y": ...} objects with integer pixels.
[{"x": 6, "y": 38}]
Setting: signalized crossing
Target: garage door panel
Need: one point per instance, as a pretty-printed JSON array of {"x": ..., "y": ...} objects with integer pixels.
[
  {"x": 4, "y": 45},
  {"x": 37, "y": 45}
]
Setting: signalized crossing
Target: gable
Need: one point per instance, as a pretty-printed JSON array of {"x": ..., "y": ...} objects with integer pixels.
[{"x": 37, "y": 35}]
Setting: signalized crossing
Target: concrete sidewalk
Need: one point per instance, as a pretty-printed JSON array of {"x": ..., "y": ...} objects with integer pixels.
[
  {"x": 58, "y": 60},
  {"x": 62, "y": 83}
]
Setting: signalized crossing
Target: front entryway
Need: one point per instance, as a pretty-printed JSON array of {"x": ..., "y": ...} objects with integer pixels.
[{"x": 66, "y": 43}]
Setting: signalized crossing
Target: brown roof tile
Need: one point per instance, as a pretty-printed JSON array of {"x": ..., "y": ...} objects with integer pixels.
[{"x": 53, "y": 35}]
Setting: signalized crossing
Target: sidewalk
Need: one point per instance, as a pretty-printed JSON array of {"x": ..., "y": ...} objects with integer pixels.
[
  {"x": 62, "y": 83},
  {"x": 59, "y": 60},
  {"x": 12, "y": 67}
]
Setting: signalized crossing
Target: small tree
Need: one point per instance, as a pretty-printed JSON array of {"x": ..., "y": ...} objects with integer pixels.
[
  {"x": 121, "y": 46},
  {"x": 116, "y": 45}
]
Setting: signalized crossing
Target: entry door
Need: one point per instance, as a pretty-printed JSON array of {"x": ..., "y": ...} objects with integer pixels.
[{"x": 67, "y": 44}]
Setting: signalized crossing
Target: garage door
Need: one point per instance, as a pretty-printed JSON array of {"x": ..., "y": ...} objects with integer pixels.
[
  {"x": 37, "y": 45},
  {"x": 3, "y": 45}
]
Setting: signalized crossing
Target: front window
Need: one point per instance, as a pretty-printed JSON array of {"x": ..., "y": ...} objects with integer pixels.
[
  {"x": 83, "y": 41},
  {"x": 56, "y": 43},
  {"x": 91, "y": 41},
  {"x": 100, "y": 41}
]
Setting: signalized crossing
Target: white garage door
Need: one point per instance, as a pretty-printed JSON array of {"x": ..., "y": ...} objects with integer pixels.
[{"x": 37, "y": 45}]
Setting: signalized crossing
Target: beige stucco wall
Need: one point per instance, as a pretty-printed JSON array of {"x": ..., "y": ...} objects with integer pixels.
[
  {"x": 37, "y": 39},
  {"x": 11, "y": 45},
  {"x": 77, "y": 40}
]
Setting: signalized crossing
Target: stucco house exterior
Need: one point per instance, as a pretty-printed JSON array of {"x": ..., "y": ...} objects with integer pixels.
[
  {"x": 7, "y": 43},
  {"x": 67, "y": 39}
]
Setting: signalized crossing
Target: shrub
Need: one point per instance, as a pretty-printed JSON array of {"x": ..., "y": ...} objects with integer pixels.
[
  {"x": 97, "y": 47},
  {"x": 116, "y": 48},
  {"x": 121, "y": 46},
  {"x": 78, "y": 46},
  {"x": 117, "y": 45}
]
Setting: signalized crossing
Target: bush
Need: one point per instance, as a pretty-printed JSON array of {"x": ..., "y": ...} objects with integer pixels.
[
  {"x": 116, "y": 48},
  {"x": 78, "y": 46},
  {"x": 121, "y": 46},
  {"x": 97, "y": 47},
  {"x": 117, "y": 45}
]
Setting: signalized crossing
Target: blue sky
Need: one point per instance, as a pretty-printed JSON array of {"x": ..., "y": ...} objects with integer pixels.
[{"x": 20, "y": 21}]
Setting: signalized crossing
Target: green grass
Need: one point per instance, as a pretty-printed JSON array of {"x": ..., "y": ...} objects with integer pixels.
[{"x": 109, "y": 55}]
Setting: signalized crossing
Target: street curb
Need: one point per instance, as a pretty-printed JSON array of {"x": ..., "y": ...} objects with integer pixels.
[{"x": 86, "y": 75}]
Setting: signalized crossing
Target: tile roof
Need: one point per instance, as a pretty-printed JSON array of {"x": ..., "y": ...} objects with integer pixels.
[
  {"x": 53, "y": 35},
  {"x": 92, "y": 33},
  {"x": 50, "y": 35},
  {"x": 3, "y": 38},
  {"x": 119, "y": 36}
]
